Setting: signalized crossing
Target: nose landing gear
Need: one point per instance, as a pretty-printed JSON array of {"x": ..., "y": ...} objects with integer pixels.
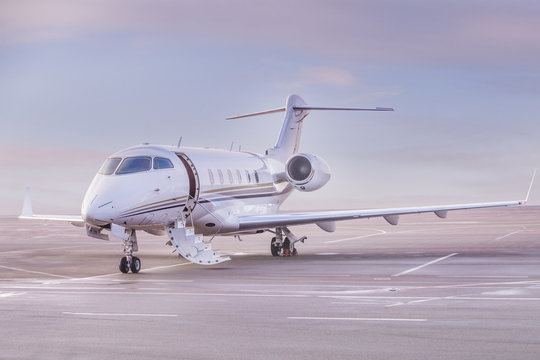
[{"x": 129, "y": 240}]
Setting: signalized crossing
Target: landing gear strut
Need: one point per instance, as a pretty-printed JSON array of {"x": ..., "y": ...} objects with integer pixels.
[
  {"x": 275, "y": 247},
  {"x": 284, "y": 246},
  {"x": 129, "y": 262}
]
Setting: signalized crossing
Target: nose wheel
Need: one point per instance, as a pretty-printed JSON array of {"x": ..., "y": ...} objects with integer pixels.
[{"x": 134, "y": 266}]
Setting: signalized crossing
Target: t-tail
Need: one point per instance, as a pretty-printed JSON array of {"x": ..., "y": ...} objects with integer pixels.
[{"x": 296, "y": 111}]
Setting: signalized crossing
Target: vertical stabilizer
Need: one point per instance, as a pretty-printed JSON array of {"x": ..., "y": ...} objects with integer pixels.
[{"x": 289, "y": 138}]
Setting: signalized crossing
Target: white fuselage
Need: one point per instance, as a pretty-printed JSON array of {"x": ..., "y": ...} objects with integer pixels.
[{"x": 214, "y": 186}]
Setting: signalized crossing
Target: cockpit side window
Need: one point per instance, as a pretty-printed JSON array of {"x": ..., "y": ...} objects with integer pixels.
[
  {"x": 109, "y": 166},
  {"x": 162, "y": 163},
  {"x": 134, "y": 164}
]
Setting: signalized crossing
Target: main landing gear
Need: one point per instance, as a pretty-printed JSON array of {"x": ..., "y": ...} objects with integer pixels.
[{"x": 284, "y": 246}]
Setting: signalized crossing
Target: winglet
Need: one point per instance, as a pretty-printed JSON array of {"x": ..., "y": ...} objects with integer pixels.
[
  {"x": 530, "y": 188},
  {"x": 27, "y": 205}
]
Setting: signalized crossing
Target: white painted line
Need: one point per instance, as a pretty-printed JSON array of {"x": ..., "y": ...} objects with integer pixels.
[
  {"x": 110, "y": 314},
  {"x": 509, "y": 234},
  {"x": 34, "y": 272},
  {"x": 9, "y": 294},
  {"x": 41, "y": 249},
  {"x": 41, "y": 287},
  {"x": 379, "y": 232},
  {"x": 486, "y": 276},
  {"x": 127, "y": 279},
  {"x": 166, "y": 266},
  {"x": 424, "y": 265},
  {"x": 157, "y": 281},
  {"x": 414, "y": 302},
  {"x": 353, "y": 319},
  {"x": 437, "y": 221}
]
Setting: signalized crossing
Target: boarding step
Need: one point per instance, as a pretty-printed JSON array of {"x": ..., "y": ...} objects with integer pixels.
[{"x": 192, "y": 247}]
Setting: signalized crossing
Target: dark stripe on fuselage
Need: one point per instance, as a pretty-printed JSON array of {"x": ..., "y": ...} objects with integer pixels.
[
  {"x": 204, "y": 201},
  {"x": 153, "y": 210}
]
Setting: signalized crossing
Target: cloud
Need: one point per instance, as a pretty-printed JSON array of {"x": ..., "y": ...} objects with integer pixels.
[
  {"x": 415, "y": 31},
  {"x": 326, "y": 75},
  {"x": 318, "y": 75}
]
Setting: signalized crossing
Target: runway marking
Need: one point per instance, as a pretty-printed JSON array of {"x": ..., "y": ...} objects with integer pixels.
[
  {"x": 414, "y": 301},
  {"x": 424, "y": 265},
  {"x": 510, "y": 234},
  {"x": 9, "y": 294},
  {"x": 153, "y": 281},
  {"x": 40, "y": 249},
  {"x": 353, "y": 319},
  {"x": 485, "y": 276},
  {"x": 62, "y": 288},
  {"x": 457, "y": 297},
  {"x": 143, "y": 271},
  {"x": 167, "y": 266},
  {"x": 34, "y": 272},
  {"x": 436, "y": 221},
  {"x": 164, "y": 293},
  {"x": 379, "y": 232},
  {"x": 112, "y": 314}
]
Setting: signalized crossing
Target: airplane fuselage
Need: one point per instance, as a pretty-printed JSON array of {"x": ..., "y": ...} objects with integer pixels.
[{"x": 213, "y": 186}]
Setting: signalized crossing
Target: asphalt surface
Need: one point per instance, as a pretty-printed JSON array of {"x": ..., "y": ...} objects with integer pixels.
[{"x": 467, "y": 287}]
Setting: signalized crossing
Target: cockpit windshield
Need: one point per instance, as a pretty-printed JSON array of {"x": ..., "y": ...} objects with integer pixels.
[
  {"x": 134, "y": 164},
  {"x": 109, "y": 166},
  {"x": 162, "y": 163}
]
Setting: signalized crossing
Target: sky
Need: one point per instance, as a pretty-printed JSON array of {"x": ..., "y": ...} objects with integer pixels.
[{"x": 82, "y": 79}]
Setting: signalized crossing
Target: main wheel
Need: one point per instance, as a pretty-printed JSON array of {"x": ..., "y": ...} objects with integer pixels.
[
  {"x": 124, "y": 265},
  {"x": 275, "y": 249},
  {"x": 135, "y": 264}
]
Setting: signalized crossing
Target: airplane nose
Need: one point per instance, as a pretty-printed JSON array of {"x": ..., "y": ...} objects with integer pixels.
[{"x": 99, "y": 212}]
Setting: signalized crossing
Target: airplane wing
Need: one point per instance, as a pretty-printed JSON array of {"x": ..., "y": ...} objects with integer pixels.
[
  {"x": 28, "y": 214},
  {"x": 326, "y": 219},
  {"x": 391, "y": 215}
]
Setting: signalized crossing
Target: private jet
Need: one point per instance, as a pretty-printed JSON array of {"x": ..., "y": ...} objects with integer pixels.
[{"x": 194, "y": 194}]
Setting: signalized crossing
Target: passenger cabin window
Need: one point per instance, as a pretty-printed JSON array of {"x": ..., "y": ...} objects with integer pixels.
[
  {"x": 231, "y": 180},
  {"x": 248, "y": 177},
  {"x": 220, "y": 176},
  {"x": 256, "y": 176},
  {"x": 211, "y": 176},
  {"x": 239, "y": 175},
  {"x": 134, "y": 164},
  {"x": 162, "y": 163},
  {"x": 109, "y": 166}
]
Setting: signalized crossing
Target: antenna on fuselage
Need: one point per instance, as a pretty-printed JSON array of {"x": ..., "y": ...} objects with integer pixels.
[{"x": 179, "y": 142}]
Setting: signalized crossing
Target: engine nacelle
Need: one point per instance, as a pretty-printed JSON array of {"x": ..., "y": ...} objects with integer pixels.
[{"x": 307, "y": 172}]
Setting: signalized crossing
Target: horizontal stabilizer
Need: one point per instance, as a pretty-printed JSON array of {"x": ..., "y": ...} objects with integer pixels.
[
  {"x": 273, "y": 111},
  {"x": 307, "y": 107}
]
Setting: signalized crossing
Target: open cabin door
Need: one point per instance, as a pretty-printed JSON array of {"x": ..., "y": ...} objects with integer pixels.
[{"x": 194, "y": 185}]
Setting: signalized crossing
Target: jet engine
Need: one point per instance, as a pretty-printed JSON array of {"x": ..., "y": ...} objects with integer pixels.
[{"x": 307, "y": 172}]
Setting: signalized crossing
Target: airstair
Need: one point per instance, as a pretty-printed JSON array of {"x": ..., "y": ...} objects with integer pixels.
[{"x": 192, "y": 247}]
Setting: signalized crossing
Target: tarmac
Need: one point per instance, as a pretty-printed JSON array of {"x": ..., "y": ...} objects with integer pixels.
[{"x": 467, "y": 287}]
